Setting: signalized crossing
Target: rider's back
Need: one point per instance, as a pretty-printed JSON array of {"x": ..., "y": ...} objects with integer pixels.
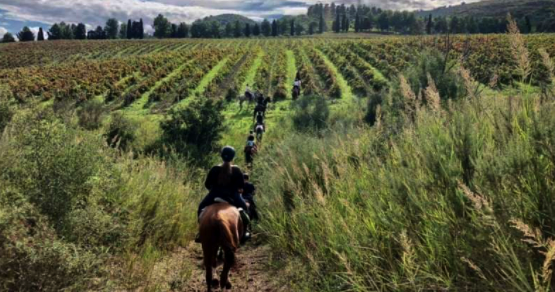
[{"x": 225, "y": 188}]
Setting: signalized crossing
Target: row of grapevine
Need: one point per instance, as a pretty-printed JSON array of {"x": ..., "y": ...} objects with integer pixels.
[
  {"x": 326, "y": 74},
  {"x": 356, "y": 82}
]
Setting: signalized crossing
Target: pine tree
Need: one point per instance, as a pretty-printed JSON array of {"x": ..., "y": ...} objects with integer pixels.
[
  {"x": 322, "y": 24},
  {"x": 357, "y": 23},
  {"x": 274, "y": 28},
  {"x": 40, "y": 36},
  {"x": 337, "y": 23},
  {"x": 237, "y": 33},
  {"x": 183, "y": 30},
  {"x": 129, "y": 29},
  {"x": 55, "y": 33},
  {"x": 247, "y": 30},
  {"x": 123, "y": 31},
  {"x": 81, "y": 32},
  {"x": 292, "y": 27},
  {"x": 528, "y": 24},
  {"x": 256, "y": 30},
  {"x": 141, "y": 31},
  {"x": 8, "y": 38},
  {"x": 266, "y": 28},
  {"x": 26, "y": 35},
  {"x": 429, "y": 25},
  {"x": 111, "y": 28}
]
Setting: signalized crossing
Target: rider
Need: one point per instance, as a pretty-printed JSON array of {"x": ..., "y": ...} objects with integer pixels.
[
  {"x": 260, "y": 99},
  {"x": 248, "y": 196},
  {"x": 297, "y": 84},
  {"x": 260, "y": 121},
  {"x": 225, "y": 181},
  {"x": 250, "y": 149}
]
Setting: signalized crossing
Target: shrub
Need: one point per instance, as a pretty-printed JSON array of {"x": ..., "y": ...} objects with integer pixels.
[
  {"x": 121, "y": 132},
  {"x": 374, "y": 101},
  {"x": 90, "y": 114},
  {"x": 311, "y": 113},
  {"x": 6, "y": 111},
  {"x": 194, "y": 131}
]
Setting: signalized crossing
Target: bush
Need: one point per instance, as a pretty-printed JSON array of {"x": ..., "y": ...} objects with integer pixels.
[
  {"x": 194, "y": 131},
  {"x": 121, "y": 132},
  {"x": 6, "y": 111},
  {"x": 90, "y": 114},
  {"x": 374, "y": 100},
  {"x": 311, "y": 113}
]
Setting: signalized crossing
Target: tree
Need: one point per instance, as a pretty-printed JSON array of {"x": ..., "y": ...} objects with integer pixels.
[
  {"x": 429, "y": 25},
  {"x": 299, "y": 29},
  {"x": 40, "y": 36},
  {"x": 256, "y": 30},
  {"x": 141, "y": 30},
  {"x": 162, "y": 27},
  {"x": 111, "y": 29},
  {"x": 67, "y": 31},
  {"x": 238, "y": 31},
  {"x": 311, "y": 28},
  {"x": 55, "y": 33},
  {"x": 292, "y": 33},
  {"x": 81, "y": 32},
  {"x": 215, "y": 30},
  {"x": 8, "y": 38},
  {"x": 357, "y": 23},
  {"x": 195, "y": 131},
  {"x": 123, "y": 31},
  {"x": 266, "y": 28},
  {"x": 322, "y": 24},
  {"x": 26, "y": 35},
  {"x": 441, "y": 25},
  {"x": 274, "y": 28},
  {"x": 455, "y": 26},
  {"x": 283, "y": 26},
  {"x": 183, "y": 30},
  {"x": 337, "y": 23},
  {"x": 528, "y": 24},
  {"x": 383, "y": 21},
  {"x": 228, "y": 30},
  {"x": 129, "y": 33},
  {"x": 247, "y": 30}
]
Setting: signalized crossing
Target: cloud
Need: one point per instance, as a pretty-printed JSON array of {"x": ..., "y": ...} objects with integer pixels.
[
  {"x": 3, "y": 31},
  {"x": 96, "y": 12}
]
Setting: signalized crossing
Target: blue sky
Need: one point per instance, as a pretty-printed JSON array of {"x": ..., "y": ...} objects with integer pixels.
[{"x": 14, "y": 14}]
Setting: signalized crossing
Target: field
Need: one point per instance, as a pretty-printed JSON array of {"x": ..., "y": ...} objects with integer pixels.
[{"x": 432, "y": 171}]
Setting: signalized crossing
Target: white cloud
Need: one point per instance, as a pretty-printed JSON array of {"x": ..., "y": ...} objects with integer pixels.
[
  {"x": 96, "y": 12},
  {"x": 3, "y": 31}
]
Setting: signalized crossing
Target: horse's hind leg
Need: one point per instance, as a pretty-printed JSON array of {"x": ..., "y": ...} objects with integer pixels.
[
  {"x": 229, "y": 262},
  {"x": 209, "y": 259}
]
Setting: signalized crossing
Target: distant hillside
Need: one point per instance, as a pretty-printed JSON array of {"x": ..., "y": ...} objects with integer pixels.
[
  {"x": 536, "y": 9},
  {"x": 224, "y": 19}
]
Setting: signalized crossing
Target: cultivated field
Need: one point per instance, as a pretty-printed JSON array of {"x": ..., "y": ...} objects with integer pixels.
[{"x": 409, "y": 163}]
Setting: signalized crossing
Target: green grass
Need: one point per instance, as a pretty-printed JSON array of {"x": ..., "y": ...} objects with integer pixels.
[{"x": 205, "y": 81}]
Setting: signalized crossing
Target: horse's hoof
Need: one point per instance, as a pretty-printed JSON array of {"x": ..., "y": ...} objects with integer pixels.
[
  {"x": 227, "y": 286},
  {"x": 215, "y": 283}
]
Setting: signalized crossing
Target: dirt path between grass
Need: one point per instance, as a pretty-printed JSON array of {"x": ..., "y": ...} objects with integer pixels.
[{"x": 251, "y": 272}]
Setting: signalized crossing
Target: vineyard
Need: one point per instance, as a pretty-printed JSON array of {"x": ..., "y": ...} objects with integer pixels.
[{"x": 420, "y": 163}]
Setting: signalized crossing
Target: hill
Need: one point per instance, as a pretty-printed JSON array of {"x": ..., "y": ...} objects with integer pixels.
[
  {"x": 224, "y": 19},
  {"x": 536, "y": 9}
]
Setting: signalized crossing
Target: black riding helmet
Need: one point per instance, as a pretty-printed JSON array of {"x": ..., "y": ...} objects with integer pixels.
[
  {"x": 228, "y": 153},
  {"x": 246, "y": 176}
]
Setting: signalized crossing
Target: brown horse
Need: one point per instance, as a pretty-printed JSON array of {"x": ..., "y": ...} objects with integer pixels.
[{"x": 220, "y": 227}]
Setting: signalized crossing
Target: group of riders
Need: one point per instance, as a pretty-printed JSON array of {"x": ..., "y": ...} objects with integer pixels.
[{"x": 226, "y": 182}]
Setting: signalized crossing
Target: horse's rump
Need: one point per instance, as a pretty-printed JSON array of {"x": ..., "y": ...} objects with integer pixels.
[{"x": 220, "y": 226}]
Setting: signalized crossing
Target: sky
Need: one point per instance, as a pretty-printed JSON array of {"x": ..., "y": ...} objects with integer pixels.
[{"x": 14, "y": 14}]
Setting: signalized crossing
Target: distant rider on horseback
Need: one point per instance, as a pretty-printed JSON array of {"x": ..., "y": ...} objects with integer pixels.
[
  {"x": 250, "y": 149},
  {"x": 224, "y": 182},
  {"x": 248, "y": 196}
]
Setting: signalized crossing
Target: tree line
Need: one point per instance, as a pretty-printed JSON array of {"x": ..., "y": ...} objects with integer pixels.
[
  {"x": 64, "y": 31},
  {"x": 368, "y": 19}
]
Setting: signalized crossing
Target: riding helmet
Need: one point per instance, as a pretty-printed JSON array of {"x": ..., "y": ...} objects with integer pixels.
[{"x": 228, "y": 153}]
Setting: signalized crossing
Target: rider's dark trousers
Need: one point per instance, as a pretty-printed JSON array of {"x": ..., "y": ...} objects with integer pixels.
[{"x": 234, "y": 199}]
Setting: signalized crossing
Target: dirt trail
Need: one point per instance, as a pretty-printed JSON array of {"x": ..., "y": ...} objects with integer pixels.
[{"x": 251, "y": 273}]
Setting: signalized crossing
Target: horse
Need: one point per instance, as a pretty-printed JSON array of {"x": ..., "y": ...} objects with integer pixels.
[
  {"x": 259, "y": 132},
  {"x": 248, "y": 98},
  {"x": 296, "y": 92},
  {"x": 220, "y": 227},
  {"x": 259, "y": 108}
]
